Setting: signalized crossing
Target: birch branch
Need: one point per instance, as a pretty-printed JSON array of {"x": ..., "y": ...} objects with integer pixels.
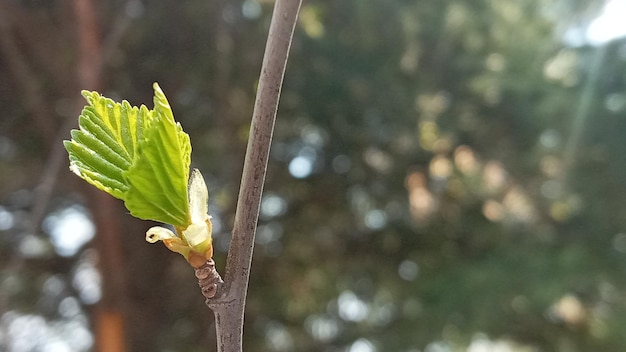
[{"x": 229, "y": 304}]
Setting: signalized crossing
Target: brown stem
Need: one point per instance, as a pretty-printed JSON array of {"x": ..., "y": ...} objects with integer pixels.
[
  {"x": 229, "y": 306},
  {"x": 209, "y": 279}
]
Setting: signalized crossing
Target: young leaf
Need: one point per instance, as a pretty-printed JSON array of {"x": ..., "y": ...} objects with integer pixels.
[
  {"x": 158, "y": 180},
  {"x": 193, "y": 242},
  {"x": 138, "y": 155},
  {"x": 97, "y": 152}
]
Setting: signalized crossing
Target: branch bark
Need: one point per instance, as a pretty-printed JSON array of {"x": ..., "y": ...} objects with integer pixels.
[{"x": 229, "y": 304}]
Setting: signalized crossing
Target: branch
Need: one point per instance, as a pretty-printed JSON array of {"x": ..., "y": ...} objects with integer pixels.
[{"x": 229, "y": 304}]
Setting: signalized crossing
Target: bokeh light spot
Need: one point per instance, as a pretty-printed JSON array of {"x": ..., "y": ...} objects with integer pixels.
[
  {"x": 32, "y": 246},
  {"x": 278, "y": 337},
  {"x": 609, "y": 25},
  {"x": 493, "y": 210},
  {"x": 87, "y": 281},
  {"x": 251, "y": 9},
  {"x": 300, "y": 167},
  {"x": 362, "y": 345},
  {"x": 408, "y": 270},
  {"x": 6, "y": 219},
  {"x": 550, "y": 139},
  {"x": 272, "y": 206},
  {"x": 440, "y": 167},
  {"x": 378, "y": 160},
  {"x": 322, "y": 328},
  {"x": 465, "y": 160},
  {"x": 69, "y": 230},
  {"x": 341, "y": 164},
  {"x": 351, "y": 308},
  {"x": 494, "y": 176},
  {"x": 376, "y": 219}
]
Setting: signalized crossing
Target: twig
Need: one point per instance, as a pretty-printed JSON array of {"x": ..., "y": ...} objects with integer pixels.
[{"x": 229, "y": 304}]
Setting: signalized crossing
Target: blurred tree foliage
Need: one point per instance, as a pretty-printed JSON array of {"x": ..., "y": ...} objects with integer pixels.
[{"x": 444, "y": 174}]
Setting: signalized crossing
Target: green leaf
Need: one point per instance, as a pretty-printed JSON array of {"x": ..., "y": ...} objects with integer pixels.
[
  {"x": 138, "y": 155},
  {"x": 159, "y": 178},
  {"x": 97, "y": 152}
]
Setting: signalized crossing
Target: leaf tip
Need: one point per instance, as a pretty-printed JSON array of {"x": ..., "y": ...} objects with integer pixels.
[
  {"x": 89, "y": 96},
  {"x": 157, "y": 89}
]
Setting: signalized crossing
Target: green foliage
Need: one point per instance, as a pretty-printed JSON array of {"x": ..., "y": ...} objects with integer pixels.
[{"x": 138, "y": 155}]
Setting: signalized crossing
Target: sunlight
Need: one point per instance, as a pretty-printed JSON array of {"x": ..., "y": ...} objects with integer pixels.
[
  {"x": 69, "y": 230},
  {"x": 465, "y": 160},
  {"x": 322, "y": 328},
  {"x": 570, "y": 310},
  {"x": 362, "y": 345},
  {"x": 301, "y": 167},
  {"x": 610, "y": 25},
  {"x": 6, "y": 219},
  {"x": 408, "y": 270},
  {"x": 351, "y": 307},
  {"x": 31, "y": 332},
  {"x": 278, "y": 337},
  {"x": 482, "y": 343},
  {"x": 494, "y": 176}
]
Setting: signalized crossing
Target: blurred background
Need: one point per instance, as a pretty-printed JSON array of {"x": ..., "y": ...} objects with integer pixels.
[{"x": 445, "y": 175}]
